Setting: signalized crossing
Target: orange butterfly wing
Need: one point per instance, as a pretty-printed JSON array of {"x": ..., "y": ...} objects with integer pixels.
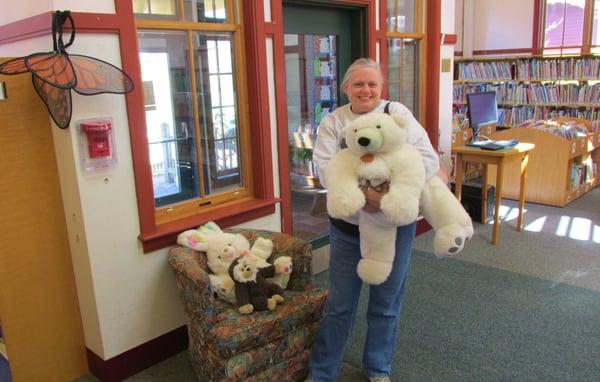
[
  {"x": 55, "y": 68},
  {"x": 14, "y": 66},
  {"x": 57, "y": 100},
  {"x": 95, "y": 76}
]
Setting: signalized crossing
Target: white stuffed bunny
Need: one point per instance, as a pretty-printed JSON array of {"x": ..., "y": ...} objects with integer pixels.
[{"x": 223, "y": 248}]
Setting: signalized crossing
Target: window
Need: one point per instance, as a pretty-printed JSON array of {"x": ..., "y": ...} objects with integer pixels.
[
  {"x": 405, "y": 35},
  {"x": 196, "y": 121},
  {"x": 570, "y": 27}
]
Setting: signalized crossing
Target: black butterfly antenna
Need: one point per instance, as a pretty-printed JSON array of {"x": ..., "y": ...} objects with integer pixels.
[{"x": 59, "y": 19}]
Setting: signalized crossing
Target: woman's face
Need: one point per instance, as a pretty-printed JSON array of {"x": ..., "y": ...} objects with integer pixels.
[{"x": 363, "y": 90}]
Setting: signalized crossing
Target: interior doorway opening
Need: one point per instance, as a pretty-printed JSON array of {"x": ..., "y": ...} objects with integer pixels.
[{"x": 317, "y": 54}]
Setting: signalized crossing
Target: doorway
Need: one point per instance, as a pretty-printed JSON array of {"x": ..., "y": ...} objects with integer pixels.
[{"x": 317, "y": 54}]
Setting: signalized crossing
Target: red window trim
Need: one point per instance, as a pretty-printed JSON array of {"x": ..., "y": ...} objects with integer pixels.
[{"x": 152, "y": 236}]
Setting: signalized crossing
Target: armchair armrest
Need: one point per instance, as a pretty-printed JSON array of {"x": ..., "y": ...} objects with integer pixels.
[
  {"x": 286, "y": 245},
  {"x": 193, "y": 284}
]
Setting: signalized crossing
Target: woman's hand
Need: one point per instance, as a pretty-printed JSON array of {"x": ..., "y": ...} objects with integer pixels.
[{"x": 373, "y": 197}]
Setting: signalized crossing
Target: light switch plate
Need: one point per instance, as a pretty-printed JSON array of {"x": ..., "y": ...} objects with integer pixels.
[{"x": 446, "y": 62}]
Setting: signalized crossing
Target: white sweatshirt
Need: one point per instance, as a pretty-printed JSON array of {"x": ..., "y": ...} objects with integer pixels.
[{"x": 330, "y": 137}]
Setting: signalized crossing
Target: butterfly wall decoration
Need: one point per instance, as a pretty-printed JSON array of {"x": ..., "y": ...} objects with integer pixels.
[{"x": 55, "y": 73}]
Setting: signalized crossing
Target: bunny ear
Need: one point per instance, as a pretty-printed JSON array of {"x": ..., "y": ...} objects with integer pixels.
[
  {"x": 210, "y": 228},
  {"x": 193, "y": 239}
]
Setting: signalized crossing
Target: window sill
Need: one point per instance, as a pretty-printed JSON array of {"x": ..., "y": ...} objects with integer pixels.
[{"x": 166, "y": 234}]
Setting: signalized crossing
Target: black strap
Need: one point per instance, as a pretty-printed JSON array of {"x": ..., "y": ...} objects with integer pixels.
[
  {"x": 344, "y": 226},
  {"x": 386, "y": 109}
]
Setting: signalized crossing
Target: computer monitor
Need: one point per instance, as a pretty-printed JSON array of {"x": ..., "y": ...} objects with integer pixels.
[{"x": 482, "y": 110}]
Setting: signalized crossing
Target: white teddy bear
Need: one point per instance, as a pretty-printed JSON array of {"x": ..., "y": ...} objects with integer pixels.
[
  {"x": 377, "y": 153},
  {"x": 223, "y": 248}
]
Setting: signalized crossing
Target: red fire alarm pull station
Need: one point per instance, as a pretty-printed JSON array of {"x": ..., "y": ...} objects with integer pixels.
[
  {"x": 97, "y": 144},
  {"x": 98, "y": 134}
]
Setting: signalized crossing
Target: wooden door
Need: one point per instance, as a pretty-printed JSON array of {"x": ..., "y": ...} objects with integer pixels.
[{"x": 38, "y": 299}]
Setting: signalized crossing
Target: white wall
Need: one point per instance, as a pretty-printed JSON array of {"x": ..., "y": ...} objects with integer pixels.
[
  {"x": 445, "y": 92},
  {"x": 126, "y": 297},
  {"x": 494, "y": 25},
  {"x": 458, "y": 24}
]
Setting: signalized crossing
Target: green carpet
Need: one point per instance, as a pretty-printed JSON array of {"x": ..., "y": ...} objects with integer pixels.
[{"x": 466, "y": 322}]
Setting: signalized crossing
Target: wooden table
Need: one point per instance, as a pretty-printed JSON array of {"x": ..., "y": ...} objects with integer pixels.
[{"x": 520, "y": 152}]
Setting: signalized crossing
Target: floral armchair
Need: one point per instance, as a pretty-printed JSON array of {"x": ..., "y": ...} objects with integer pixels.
[{"x": 269, "y": 346}]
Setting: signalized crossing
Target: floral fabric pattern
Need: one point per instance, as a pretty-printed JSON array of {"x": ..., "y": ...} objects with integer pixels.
[{"x": 263, "y": 346}]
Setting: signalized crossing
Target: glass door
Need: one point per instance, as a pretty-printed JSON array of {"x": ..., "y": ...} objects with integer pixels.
[{"x": 317, "y": 54}]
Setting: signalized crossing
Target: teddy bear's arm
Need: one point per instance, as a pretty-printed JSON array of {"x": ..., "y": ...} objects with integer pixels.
[
  {"x": 408, "y": 170},
  {"x": 262, "y": 248},
  {"x": 242, "y": 294},
  {"x": 401, "y": 203},
  {"x": 344, "y": 197},
  {"x": 267, "y": 272},
  {"x": 342, "y": 170}
]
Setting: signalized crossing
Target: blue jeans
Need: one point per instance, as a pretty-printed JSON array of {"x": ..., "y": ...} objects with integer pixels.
[{"x": 383, "y": 314}]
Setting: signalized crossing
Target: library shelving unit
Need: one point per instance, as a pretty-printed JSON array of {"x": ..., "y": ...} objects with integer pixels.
[
  {"x": 559, "y": 169},
  {"x": 533, "y": 88}
]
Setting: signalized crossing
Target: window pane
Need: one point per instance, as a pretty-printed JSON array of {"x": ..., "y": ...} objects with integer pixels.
[
  {"x": 595, "y": 29},
  {"x": 401, "y": 16},
  {"x": 169, "y": 115},
  {"x": 208, "y": 11},
  {"x": 159, "y": 8},
  {"x": 403, "y": 72},
  {"x": 564, "y": 23},
  {"x": 218, "y": 111}
]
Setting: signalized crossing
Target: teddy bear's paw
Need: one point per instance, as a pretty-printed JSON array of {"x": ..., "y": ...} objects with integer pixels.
[
  {"x": 283, "y": 265},
  {"x": 271, "y": 303},
  {"x": 227, "y": 284},
  {"x": 246, "y": 309},
  {"x": 400, "y": 212},
  {"x": 344, "y": 205},
  {"x": 373, "y": 272},
  {"x": 451, "y": 239},
  {"x": 278, "y": 298},
  {"x": 262, "y": 248}
]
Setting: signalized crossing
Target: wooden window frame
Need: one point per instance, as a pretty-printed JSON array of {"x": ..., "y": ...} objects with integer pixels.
[
  {"x": 259, "y": 200},
  {"x": 420, "y": 35},
  {"x": 540, "y": 21}
]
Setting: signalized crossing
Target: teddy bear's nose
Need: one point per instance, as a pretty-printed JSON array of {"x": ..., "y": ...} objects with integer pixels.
[{"x": 363, "y": 141}]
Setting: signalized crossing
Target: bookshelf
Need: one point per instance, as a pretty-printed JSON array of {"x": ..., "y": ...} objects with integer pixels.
[
  {"x": 532, "y": 88},
  {"x": 559, "y": 170}
]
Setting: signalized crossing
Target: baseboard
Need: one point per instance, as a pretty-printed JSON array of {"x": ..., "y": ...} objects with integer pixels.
[
  {"x": 139, "y": 358},
  {"x": 320, "y": 259}
]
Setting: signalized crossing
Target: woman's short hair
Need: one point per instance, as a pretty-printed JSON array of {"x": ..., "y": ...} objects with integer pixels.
[{"x": 362, "y": 63}]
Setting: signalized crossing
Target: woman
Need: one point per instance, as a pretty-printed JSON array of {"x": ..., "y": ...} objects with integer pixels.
[{"x": 363, "y": 84}]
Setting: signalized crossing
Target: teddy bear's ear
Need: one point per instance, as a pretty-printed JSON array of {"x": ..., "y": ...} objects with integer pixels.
[{"x": 400, "y": 120}]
